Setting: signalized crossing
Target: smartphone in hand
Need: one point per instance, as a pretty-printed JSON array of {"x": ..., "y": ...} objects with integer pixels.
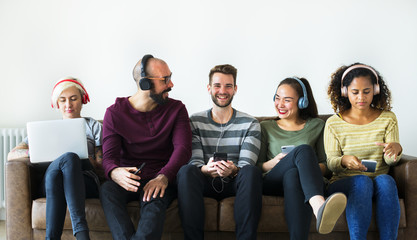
[
  {"x": 140, "y": 168},
  {"x": 370, "y": 165},
  {"x": 218, "y": 156},
  {"x": 287, "y": 149}
]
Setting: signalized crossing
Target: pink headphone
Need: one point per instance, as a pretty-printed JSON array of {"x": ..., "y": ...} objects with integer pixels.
[
  {"x": 85, "y": 98},
  {"x": 344, "y": 89}
]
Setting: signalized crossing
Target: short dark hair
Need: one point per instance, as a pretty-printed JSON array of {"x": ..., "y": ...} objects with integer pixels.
[
  {"x": 311, "y": 110},
  {"x": 225, "y": 69},
  {"x": 340, "y": 104}
]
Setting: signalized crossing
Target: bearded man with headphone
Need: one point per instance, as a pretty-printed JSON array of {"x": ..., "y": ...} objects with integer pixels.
[{"x": 149, "y": 130}]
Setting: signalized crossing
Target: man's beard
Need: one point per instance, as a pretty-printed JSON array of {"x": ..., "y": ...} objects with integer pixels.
[
  {"x": 215, "y": 101},
  {"x": 159, "y": 98}
]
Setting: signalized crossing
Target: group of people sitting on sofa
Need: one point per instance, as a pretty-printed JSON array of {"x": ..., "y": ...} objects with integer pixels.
[{"x": 223, "y": 152}]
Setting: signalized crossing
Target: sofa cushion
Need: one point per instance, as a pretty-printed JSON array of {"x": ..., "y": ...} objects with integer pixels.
[
  {"x": 94, "y": 214},
  {"x": 97, "y": 221},
  {"x": 273, "y": 218}
]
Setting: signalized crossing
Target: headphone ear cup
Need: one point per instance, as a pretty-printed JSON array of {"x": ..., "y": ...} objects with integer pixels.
[
  {"x": 377, "y": 90},
  {"x": 145, "y": 84},
  {"x": 343, "y": 90},
  {"x": 85, "y": 98},
  {"x": 302, "y": 103}
]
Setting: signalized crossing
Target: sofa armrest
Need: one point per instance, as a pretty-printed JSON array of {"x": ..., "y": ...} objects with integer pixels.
[
  {"x": 405, "y": 174},
  {"x": 18, "y": 199}
]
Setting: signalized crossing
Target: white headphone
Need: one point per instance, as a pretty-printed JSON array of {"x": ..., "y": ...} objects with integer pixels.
[{"x": 344, "y": 89}]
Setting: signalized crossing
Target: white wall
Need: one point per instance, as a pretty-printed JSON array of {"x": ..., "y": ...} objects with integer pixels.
[{"x": 100, "y": 42}]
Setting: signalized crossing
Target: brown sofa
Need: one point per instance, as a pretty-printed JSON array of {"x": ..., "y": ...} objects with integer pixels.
[{"x": 25, "y": 216}]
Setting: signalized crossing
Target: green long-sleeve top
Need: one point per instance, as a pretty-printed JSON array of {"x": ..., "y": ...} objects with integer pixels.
[{"x": 273, "y": 138}]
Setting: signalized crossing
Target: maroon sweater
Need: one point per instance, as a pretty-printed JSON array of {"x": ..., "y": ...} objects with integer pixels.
[{"x": 161, "y": 138}]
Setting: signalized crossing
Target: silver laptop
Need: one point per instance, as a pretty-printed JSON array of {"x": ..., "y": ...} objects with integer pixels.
[{"x": 50, "y": 139}]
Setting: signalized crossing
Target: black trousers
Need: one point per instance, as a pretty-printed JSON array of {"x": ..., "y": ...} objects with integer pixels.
[
  {"x": 193, "y": 186},
  {"x": 114, "y": 199},
  {"x": 297, "y": 177}
]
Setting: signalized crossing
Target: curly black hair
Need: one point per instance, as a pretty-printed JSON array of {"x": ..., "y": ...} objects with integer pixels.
[
  {"x": 311, "y": 110},
  {"x": 340, "y": 104}
]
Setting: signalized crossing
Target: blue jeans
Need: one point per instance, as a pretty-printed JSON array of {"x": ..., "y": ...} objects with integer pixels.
[
  {"x": 152, "y": 214},
  {"x": 64, "y": 183},
  {"x": 297, "y": 177},
  {"x": 193, "y": 185},
  {"x": 360, "y": 191}
]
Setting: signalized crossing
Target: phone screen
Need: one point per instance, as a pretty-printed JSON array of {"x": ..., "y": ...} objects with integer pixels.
[
  {"x": 218, "y": 156},
  {"x": 370, "y": 165},
  {"x": 287, "y": 149}
]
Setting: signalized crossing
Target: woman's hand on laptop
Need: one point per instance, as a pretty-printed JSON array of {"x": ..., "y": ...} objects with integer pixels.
[{"x": 125, "y": 178}]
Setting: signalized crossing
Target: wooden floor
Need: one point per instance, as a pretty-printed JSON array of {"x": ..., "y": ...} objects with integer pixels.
[{"x": 2, "y": 230}]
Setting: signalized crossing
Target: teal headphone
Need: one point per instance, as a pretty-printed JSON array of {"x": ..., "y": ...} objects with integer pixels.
[{"x": 302, "y": 101}]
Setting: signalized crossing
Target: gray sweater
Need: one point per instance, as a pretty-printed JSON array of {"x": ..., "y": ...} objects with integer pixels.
[{"x": 240, "y": 138}]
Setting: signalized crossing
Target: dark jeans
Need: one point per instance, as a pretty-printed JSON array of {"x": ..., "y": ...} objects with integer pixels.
[
  {"x": 360, "y": 191},
  {"x": 193, "y": 185},
  {"x": 297, "y": 177},
  {"x": 64, "y": 183},
  {"x": 152, "y": 214}
]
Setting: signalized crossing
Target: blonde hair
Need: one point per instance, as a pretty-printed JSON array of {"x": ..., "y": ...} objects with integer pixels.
[{"x": 65, "y": 83}]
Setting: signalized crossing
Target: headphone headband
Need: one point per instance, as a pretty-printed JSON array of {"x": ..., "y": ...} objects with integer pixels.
[
  {"x": 359, "y": 66},
  {"x": 143, "y": 64},
  {"x": 85, "y": 97},
  {"x": 344, "y": 90},
  {"x": 144, "y": 83}
]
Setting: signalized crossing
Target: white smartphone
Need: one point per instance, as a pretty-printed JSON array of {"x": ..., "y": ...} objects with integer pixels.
[
  {"x": 287, "y": 149},
  {"x": 370, "y": 165}
]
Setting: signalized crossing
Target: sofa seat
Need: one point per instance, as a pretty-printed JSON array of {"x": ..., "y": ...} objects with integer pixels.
[
  {"x": 273, "y": 218},
  {"x": 97, "y": 221},
  {"x": 25, "y": 212},
  {"x": 219, "y": 218}
]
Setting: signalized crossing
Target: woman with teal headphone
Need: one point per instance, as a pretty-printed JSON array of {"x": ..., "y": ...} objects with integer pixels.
[{"x": 298, "y": 174}]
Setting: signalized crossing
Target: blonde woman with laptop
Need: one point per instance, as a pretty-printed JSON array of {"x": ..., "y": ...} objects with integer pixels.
[{"x": 69, "y": 180}]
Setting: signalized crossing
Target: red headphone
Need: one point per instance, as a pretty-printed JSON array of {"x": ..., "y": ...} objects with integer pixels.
[{"x": 85, "y": 98}]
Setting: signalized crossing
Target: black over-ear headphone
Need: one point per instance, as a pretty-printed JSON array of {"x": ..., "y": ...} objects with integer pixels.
[{"x": 144, "y": 83}]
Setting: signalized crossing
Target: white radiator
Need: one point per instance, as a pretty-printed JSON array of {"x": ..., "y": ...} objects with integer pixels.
[{"x": 9, "y": 138}]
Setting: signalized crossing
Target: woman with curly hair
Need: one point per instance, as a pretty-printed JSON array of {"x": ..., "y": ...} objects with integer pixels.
[{"x": 364, "y": 128}]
